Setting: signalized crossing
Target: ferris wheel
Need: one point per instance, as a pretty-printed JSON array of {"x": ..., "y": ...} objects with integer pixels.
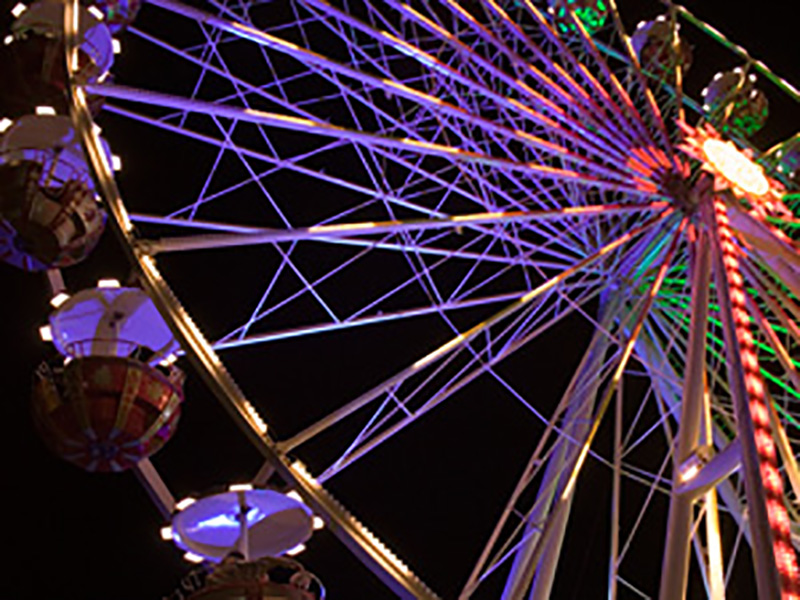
[{"x": 440, "y": 190}]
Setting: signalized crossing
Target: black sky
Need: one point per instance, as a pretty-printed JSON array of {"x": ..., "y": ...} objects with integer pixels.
[{"x": 72, "y": 535}]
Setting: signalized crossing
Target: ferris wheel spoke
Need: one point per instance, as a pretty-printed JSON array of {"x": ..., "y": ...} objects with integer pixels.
[
  {"x": 237, "y": 341},
  {"x": 393, "y": 87},
  {"x": 285, "y": 256},
  {"x": 651, "y": 105},
  {"x": 520, "y": 561},
  {"x": 463, "y": 338},
  {"x": 778, "y": 349},
  {"x": 498, "y": 346},
  {"x": 385, "y": 244},
  {"x": 541, "y": 308},
  {"x": 558, "y": 105},
  {"x": 602, "y": 152},
  {"x": 777, "y": 251},
  {"x": 376, "y": 303},
  {"x": 636, "y": 132},
  {"x": 781, "y": 303},
  {"x": 581, "y": 94},
  {"x": 580, "y": 387},
  {"x": 637, "y": 188},
  {"x": 547, "y": 546},
  {"x": 339, "y": 230},
  {"x": 291, "y": 165},
  {"x": 627, "y": 543},
  {"x": 277, "y": 162},
  {"x": 282, "y": 163},
  {"x": 616, "y": 91},
  {"x": 519, "y": 333},
  {"x": 774, "y": 303}
]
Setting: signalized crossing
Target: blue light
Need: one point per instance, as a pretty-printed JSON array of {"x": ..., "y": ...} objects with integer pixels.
[{"x": 229, "y": 520}]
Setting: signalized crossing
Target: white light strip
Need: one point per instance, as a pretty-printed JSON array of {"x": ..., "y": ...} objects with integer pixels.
[
  {"x": 193, "y": 558},
  {"x": 108, "y": 283},
  {"x": 59, "y": 299},
  {"x": 185, "y": 503},
  {"x": 240, "y": 487}
]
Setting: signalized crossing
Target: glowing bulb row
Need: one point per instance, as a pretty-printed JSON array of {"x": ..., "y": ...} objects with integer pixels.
[{"x": 785, "y": 559}]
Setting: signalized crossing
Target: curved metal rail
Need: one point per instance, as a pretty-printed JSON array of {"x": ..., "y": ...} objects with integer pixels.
[{"x": 363, "y": 543}]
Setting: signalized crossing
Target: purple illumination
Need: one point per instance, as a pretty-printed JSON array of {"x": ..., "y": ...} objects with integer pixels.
[
  {"x": 210, "y": 526},
  {"x": 112, "y": 322}
]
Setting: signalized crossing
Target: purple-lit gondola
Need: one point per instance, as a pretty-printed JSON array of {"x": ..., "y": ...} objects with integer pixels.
[
  {"x": 48, "y": 213},
  {"x": 211, "y": 527},
  {"x": 33, "y": 60},
  {"x": 116, "y": 398}
]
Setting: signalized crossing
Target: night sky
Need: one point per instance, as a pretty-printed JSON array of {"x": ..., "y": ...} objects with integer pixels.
[{"x": 73, "y": 535}]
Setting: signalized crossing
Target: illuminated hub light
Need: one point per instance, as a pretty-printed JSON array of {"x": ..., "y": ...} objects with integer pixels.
[
  {"x": 8, "y": 39},
  {"x": 185, "y": 503},
  {"x": 734, "y": 170},
  {"x": 166, "y": 533},
  {"x": 108, "y": 283},
  {"x": 317, "y": 523},
  {"x": 785, "y": 558},
  {"x": 5, "y": 124},
  {"x": 59, "y": 299},
  {"x": 46, "y": 333},
  {"x": 18, "y": 10},
  {"x": 116, "y": 163},
  {"x": 296, "y": 550},
  {"x": 45, "y": 111},
  {"x": 736, "y": 167},
  {"x": 116, "y": 46}
]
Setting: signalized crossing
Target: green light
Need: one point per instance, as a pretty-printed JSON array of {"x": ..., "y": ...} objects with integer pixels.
[
  {"x": 764, "y": 373},
  {"x": 592, "y": 17},
  {"x": 718, "y": 323}
]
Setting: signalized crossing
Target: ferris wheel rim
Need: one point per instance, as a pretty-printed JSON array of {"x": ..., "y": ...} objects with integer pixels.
[{"x": 140, "y": 260}]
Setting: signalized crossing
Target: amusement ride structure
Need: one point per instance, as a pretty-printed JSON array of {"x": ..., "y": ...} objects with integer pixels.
[{"x": 469, "y": 175}]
